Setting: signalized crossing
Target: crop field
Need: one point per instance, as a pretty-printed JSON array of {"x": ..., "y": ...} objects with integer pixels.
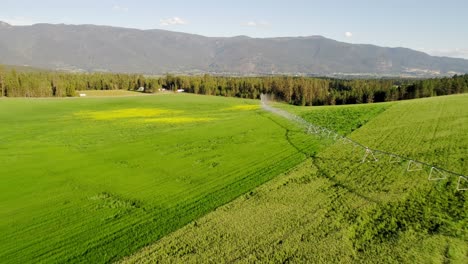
[
  {"x": 94, "y": 179},
  {"x": 335, "y": 208}
]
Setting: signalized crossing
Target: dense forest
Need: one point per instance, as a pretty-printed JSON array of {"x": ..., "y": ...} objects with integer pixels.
[{"x": 293, "y": 90}]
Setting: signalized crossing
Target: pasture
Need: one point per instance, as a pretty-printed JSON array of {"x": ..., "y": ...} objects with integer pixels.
[
  {"x": 94, "y": 179},
  {"x": 334, "y": 208}
]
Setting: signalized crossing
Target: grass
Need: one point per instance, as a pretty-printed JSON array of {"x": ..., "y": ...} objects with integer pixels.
[
  {"x": 333, "y": 208},
  {"x": 91, "y": 180}
]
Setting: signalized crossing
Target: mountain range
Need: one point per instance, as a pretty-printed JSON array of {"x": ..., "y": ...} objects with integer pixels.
[{"x": 104, "y": 48}]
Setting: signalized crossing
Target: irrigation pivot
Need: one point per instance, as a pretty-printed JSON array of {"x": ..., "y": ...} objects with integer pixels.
[{"x": 435, "y": 173}]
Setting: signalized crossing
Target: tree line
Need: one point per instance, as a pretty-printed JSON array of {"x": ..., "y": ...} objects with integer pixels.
[
  {"x": 293, "y": 90},
  {"x": 61, "y": 84},
  {"x": 319, "y": 91}
]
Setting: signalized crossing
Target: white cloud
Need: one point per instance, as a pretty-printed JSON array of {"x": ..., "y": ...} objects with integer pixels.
[
  {"x": 18, "y": 21},
  {"x": 120, "y": 8},
  {"x": 257, "y": 24},
  {"x": 348, "y": 34},
  {"x": 172, "y": 21}
]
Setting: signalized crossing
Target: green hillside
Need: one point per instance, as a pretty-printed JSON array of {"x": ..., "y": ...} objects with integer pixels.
[{"x": 334, "y": 208}]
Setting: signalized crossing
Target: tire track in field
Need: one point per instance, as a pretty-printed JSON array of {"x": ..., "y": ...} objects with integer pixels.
[{"x": 432, "y": 144}]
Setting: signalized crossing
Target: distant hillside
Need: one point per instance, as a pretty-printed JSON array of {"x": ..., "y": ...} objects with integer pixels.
[
  {"x": 20, "y": 68},
  {"x": 104, "y": 48}
]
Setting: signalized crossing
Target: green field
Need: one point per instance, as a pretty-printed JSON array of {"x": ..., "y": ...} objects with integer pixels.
[
  {"x": 334, "y": 209},
  {"x": 94, "y": 179}
]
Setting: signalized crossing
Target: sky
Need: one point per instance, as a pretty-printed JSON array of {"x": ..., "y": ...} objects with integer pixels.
[{"x": 435, "y": 27}]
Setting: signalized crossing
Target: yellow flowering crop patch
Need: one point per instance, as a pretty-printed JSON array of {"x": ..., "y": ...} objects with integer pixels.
[
  {"x": 244, "y": 107},
  {"x": 178, "y": 120},
  {"x": 125, "y": 113}
]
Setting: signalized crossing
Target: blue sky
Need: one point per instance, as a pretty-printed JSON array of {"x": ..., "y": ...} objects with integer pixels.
[{"x": 436, "y": 27}]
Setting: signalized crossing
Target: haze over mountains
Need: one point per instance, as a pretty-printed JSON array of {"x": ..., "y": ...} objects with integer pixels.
[{"x": 104, "y": 48}]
